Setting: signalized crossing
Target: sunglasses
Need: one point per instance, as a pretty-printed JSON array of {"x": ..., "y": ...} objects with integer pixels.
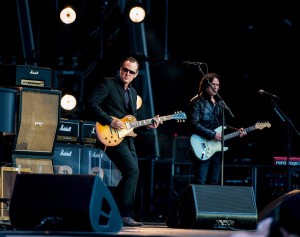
[{"x": 127, "y": 70}]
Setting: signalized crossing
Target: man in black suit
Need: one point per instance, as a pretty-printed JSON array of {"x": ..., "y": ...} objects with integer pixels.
[{"x": 111, "y": 101}]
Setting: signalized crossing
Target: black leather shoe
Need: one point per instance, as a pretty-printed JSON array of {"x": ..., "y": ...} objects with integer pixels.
[{"x": 128, "y": 221}]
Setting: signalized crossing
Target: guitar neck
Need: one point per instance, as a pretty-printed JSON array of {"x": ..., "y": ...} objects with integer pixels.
[
  {"x": 145, "y": 122},
  {"x": 237, "y": 133}
]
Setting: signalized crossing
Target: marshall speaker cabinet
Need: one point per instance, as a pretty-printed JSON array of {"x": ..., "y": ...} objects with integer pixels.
[
  {"x": 36, "y": 164},
  {"x": 96, "y": 162},
  {"x": 67, "y": 159},
  {"x": 39, "y": 112}
]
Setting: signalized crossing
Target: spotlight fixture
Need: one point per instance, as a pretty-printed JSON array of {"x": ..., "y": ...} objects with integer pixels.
[
  {"x": 68, "y": 15},
  {"x": 137, "y": 13},
  {"x": 68, "y": 102},
  {"x": 139, "y": 102}
]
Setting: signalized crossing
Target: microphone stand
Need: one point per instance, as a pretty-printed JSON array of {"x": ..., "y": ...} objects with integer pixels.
[
  {"x": 224, "y": 106},
  {"x": 289, "y": 125}
]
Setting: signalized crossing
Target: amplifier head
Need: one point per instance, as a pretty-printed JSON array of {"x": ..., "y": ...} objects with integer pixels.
[
  {"x": 68, "y": 131},
  {"x": 25, "y": 75},
  {"x": 88, "y": 132}
]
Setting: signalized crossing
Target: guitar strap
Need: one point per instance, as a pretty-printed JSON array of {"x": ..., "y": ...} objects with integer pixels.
[
  {"x": 233, "y": 128},
  {"x": 104, "y": 149}
]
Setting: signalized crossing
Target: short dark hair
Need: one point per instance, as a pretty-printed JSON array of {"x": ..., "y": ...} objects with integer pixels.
[{"x": 130, "y": 59}]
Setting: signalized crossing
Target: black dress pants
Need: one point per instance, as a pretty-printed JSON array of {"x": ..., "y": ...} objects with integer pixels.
[{"x": 125, "y": 159}]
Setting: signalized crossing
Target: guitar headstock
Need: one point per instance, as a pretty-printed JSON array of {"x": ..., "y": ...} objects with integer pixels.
[
  {"x": 179, "y": 116},
  {"x": 261, "y": 125}
]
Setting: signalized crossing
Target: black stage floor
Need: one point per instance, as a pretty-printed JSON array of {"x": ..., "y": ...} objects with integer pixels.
[{"x": 149, "y": 229}]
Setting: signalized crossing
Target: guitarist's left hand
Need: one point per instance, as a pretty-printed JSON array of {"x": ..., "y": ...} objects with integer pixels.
[
  {"x": 155, "y": 122},
  {"x": 242, "y": 132}
]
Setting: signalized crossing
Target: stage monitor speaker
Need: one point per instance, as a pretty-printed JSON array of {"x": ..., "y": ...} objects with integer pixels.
[
  {"x": 214, "y": 207},
  {"x": 39, "y": 113},
  {"x": 57, "y": 202},
  {"x": 270, "y": 209}
]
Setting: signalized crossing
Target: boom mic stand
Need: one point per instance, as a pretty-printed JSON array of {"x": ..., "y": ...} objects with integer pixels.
[
  {"x": 289, "y": 125},
  {"x": 224, "y": 106}
]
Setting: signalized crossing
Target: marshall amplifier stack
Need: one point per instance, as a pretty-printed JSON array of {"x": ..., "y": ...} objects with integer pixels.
[
  {"x": 71, "y": 159},
  {"x": 37, "y": 109},
  {"x": 76, "y": 152},
  {"x": 37, "y": 119}
]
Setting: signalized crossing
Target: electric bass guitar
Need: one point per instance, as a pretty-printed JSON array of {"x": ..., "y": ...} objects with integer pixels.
[
  {"x": 204, "y": 149},
  {"x": 111, "y": 137}
]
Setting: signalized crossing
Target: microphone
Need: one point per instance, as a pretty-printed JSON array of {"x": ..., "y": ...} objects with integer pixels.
[
  {"x": 267, "y": 93},
  {"x": 193, "y": 63}
]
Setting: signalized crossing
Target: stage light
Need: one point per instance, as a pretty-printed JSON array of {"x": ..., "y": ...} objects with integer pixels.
[
  {"x": 68, "y": 15},
  {"x": 68, "y": 102},
  {"x": 137, "y": 13},
  {"x": 139, "y": 102}
]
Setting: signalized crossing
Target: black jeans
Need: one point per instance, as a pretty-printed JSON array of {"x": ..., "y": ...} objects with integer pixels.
[
  {"x": 207, "y": 171},
  {"x": 125, "y": 159}
]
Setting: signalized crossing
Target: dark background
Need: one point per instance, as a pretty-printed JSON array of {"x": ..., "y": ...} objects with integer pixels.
[{"x": 251, "y": 45}]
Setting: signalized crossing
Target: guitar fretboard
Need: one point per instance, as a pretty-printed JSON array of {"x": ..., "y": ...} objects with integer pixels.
[
  {"x": 237, "y": 133},
  {"x": 140, "y": 123}
]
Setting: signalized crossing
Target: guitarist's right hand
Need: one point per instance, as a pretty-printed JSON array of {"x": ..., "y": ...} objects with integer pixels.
[
  {"x": 117, "y": 124},
  {"x": 218, "y": 136}
]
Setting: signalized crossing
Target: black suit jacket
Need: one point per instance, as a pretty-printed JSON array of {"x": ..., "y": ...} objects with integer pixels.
[{"x": 108, "y": 100}]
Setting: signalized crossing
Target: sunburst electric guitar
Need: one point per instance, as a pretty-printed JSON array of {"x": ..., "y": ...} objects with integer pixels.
[
  {"x": 204, "y": 149},
  {"x": 111, "y": 137}
]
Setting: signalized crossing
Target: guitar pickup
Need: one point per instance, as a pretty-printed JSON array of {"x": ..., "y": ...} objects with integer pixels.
[
  {"x": 127, "y": 125},
  {"x": 204, "y": 150}
]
